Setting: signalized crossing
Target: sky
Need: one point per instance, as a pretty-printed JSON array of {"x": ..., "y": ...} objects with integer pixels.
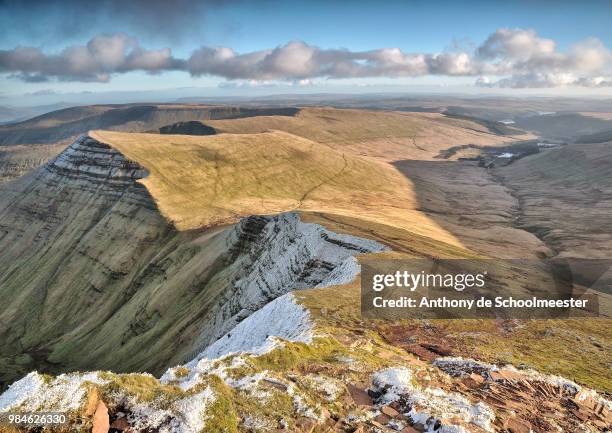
[{"x": 53, "y": 51}]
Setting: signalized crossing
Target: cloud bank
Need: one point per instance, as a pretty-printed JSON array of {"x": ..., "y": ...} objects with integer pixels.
[{"x": 514, "y": 58}]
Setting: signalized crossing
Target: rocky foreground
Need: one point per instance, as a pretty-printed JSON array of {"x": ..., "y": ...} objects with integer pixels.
[{"x": 279, "y": 370}]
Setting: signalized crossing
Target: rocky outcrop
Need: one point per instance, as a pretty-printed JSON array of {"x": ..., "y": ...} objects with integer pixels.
[
  {"x": 528, "y": 401},
  {"x": 275, "y": 255},
  {"x": 88, "y": 159}
]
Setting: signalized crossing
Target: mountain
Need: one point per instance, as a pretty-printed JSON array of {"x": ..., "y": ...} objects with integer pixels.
[
  {"x": 226, "y": 267},
  {"x": 28, "y": 144},
  {"x": 17, "y": 114},
  {"x": 598, "y": 137},
  {"x": 561, "y": 188},
  {"x": 112, "y": 249},
  {"x": 67, "y": 124},
  {"x": 389, "y": 135},
  {"x": 563, "y": 126}
]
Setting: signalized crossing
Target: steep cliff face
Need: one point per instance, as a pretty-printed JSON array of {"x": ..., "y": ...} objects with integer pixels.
[
  {"x": 272, "y": 255},
  {"x": 75, "y": 235},
  {"x": 118, "y": 287}
]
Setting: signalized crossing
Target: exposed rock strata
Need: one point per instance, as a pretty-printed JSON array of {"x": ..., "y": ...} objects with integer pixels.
[{"x": 278, "y": 254}]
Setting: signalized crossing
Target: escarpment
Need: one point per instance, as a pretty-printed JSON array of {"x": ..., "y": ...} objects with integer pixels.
[
  {"x": 272, "y": 255},
  {"x": 95, "y": 277},
  {"x": 89, "y": 158}
]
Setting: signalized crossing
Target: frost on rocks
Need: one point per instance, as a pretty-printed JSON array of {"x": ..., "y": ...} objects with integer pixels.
[
  {"x": 187, "y": 415},
  {"x": 394, "y": 382},
  {"x": 302, "y": 406},
  {"x": 433, "y": 408},
  {"x": 257, "y": 424},
  {"x": 35, "y": 393},
  {"x": 192, "y": 411},
  {"x": 329, "y": 387},
  {"x": 457, "y": 367}
]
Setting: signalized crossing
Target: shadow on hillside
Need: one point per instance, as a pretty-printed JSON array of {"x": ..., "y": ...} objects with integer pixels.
[{"x": 458, "y": 195}]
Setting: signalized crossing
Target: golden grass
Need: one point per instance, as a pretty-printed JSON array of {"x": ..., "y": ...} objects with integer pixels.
[
  {"x": 388, "y": 135},
  {"x": 200, "y": 181}
]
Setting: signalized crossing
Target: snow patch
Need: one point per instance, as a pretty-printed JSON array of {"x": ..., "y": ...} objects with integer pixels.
[
  {"x": 257, "y": 424},
  {"x": 281, "y": 320},
  {"x": 187, "y": 415},
  {"x": 34, "y": 393},
  {"x": 430, "y": 407},
  {"x": 193, "y": 411},
  {"x": 329, "y": 387},
  {"x": 259, "y": 333},
  {"x": 394, "y": 381},
  {"x": 302, "y": 406}
]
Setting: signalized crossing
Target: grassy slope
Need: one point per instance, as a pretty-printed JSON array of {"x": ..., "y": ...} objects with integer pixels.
[
  {"x": 577, "y": 349},
  {"x": 384, "y": 134},
  {"x": 207, "y": 180}
]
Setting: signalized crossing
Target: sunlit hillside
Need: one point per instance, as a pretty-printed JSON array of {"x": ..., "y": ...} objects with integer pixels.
[
  {"x": 199, "y": 181},
  {"x": 389, "y": 135}
]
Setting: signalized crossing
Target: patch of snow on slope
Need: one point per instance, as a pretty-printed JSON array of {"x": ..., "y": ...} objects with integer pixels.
[
  {"x": 395, "y": 381},
  {"x": 303, "y": 406},
  {"x": 19, "y": 391},
  {"x": 331, "y": 388},
  {"x": 193, "y": 411},
  {"x": 437, "y": 403},
  {"x": 187, "y": 415},
  {"x": 431, "y": 407},
  {"x": 34, "y": 393},
  {"x": 342, "y": 274},
  {"x": 261, "y": 332}
]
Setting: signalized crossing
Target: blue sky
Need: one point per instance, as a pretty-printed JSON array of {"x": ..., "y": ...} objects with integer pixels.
[{"x": 413, "y": 27}]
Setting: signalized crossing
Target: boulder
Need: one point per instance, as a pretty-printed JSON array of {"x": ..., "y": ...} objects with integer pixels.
[{"x": 101, "y": 422}]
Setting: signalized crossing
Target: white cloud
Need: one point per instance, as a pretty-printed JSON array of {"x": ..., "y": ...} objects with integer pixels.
[
  {"x": 515, "y": 44},
  {"x": 101, "y": 57},
  {"x": 531, "y": 61},
  {"x": 533, "y": 80},
  {"x": 514, "y": 57}
]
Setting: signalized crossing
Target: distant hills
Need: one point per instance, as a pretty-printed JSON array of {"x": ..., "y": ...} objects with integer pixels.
[{"x": 66, "y": 124}]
